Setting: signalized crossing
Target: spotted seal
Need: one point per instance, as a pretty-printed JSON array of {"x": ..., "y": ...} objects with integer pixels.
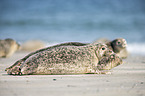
[
  {"x": 118, "y": 46},
  {"x": 8, "y": 47},
  {"x": 63, "y": 60}
]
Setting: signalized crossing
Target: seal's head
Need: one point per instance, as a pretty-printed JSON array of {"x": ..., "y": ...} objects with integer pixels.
[
  {"x": 101, "y": 50},
  {"x": 13, "y": 43},
  {"x": 118, "y": 44}
]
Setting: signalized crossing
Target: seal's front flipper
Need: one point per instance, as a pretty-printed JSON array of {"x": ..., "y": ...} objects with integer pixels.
[{"x": 103, "y": 71}]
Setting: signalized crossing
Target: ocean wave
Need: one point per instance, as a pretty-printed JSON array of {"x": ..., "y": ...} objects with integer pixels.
[{"x": 136, "y": 48}]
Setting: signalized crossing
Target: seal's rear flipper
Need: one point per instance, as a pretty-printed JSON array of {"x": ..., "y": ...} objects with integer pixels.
[{"x": 14, "y": 71}]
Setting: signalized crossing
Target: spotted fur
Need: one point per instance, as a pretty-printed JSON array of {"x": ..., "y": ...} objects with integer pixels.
[{"x": 63, "y": 60}]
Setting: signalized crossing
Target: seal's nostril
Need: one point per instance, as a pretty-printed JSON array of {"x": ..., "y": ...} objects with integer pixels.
[
  {"x": 110, "y": 51},
  {"x": 111, "y": 56}
]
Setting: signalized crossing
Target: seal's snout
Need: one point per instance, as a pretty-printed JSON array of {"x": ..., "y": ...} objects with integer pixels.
[
  {"x": 112, "y": 56},
  {"x": 124, "y": 45}
]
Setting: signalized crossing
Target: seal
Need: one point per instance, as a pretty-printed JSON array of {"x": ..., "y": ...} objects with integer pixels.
[
  {"x": 8, "y": 47},
  {"x": 63, "y": 60},
  {"x": 118, "y": 46}
]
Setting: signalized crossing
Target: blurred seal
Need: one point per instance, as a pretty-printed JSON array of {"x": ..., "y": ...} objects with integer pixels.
[{"x": 8, "y": 47}]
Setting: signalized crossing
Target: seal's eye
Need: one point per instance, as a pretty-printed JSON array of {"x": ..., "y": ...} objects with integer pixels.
[
  {"x": 118, "y": 43},
  {"x": 103, "y": 48}
]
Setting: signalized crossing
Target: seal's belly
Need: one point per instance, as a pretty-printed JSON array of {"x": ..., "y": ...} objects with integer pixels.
[
  {"x": 60, "y": 61},
  {"x": 65, "y": 69}
]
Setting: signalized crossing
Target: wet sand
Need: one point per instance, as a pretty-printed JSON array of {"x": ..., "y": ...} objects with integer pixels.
[{"x": 127, "y": 79}]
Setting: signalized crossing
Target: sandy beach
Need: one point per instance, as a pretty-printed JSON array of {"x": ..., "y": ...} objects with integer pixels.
[
  {"x": 127, "y": 79},
  {"x": 36, "y": 24}
]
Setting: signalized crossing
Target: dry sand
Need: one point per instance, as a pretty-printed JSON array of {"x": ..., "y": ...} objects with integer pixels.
[{"x": 127, "y": 79}]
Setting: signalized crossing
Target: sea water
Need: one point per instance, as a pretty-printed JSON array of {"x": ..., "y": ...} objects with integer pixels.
[{"x": 56, "y": 21}]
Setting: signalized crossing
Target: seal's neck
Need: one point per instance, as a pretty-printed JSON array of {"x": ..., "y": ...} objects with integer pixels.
[{"x": 114, "y": 49}]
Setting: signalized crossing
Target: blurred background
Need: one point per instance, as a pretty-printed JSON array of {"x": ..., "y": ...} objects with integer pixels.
[{"x": 56, "y": 21}]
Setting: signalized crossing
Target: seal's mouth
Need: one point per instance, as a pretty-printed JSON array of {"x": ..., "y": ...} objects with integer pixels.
[
  {"x": 124, "y": 45},
  {"x": 115, "y": 60}
]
